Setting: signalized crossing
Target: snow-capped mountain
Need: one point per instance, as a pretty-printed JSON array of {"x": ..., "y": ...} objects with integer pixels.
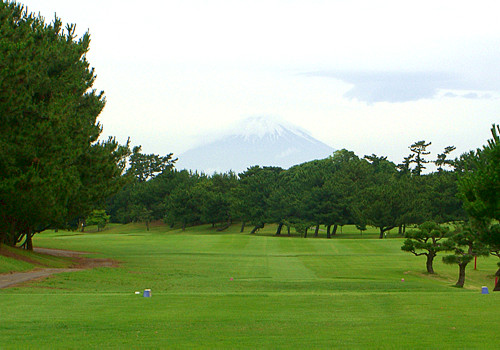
[
  {"x": 261, "y": 141},
  {"x": 260, "y": 127}
]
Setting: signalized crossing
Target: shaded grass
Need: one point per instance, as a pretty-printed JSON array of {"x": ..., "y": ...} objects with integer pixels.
[
  {"x": 15, "y": 259},
  {"x": 8, "y": 264}
]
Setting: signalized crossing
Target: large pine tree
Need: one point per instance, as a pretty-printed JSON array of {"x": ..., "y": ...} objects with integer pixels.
[{"x": 53, "y": 169}]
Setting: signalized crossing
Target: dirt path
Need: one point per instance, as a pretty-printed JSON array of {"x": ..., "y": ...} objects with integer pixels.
[{"x": 80, "y": 263}]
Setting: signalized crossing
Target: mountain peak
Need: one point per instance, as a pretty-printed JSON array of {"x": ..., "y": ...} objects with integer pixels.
[
  {"x": 265, "y": 141},
  {"x": 265, "y": 126}
]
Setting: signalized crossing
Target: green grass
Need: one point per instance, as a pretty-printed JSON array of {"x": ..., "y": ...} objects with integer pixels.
[
  {"x": 285, "y": 292},
  {"x": 8, "y": 265},
  {"x": 32, "y": 260}
]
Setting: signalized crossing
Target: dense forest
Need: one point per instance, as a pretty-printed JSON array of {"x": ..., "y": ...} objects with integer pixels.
[{"x": 341, "y": 189}]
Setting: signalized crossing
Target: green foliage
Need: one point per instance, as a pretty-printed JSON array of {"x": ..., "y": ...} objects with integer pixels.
[
  {"x": 442, "y": 159},
  {"x": 466, "y": 244},
  {"x": 146, "y": 166},
  {"x": 339, "y": 190},
  {"x": 143, "y": 198},
  {"x": 301, "y": 227},
  {"x": 361, "y": 227},
  {"x": 427, "y": 240},
  {"x": 184, "y": 206},
  {"x": 480, "y": 185},
  {"x": 215, "y": 193},
  {"x": 384, "y": 203},
  {"x": 419, "y": 150},
  {"x": 479, "y": 188},
  {"x": 53, "y": 169},
  {"x": 438, "y": 196},
  {"x": 254, "y": 191},
  {"x": 98, "y": 218}
]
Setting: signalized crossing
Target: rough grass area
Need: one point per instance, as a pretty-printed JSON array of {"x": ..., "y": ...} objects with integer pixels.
[
  {"x": 231, "y": 290},
  {"x": 16, "y": 259}
]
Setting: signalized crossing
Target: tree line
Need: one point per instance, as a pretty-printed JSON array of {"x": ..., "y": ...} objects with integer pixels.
[{"x": 341, "y": 189}]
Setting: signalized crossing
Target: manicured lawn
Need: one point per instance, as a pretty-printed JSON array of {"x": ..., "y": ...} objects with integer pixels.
[{"x": 232, "y": 290}]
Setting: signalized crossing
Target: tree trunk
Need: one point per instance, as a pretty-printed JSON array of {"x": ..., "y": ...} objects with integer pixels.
[
  {"x": 278, "y": 231},
  {"x": 497, "y": 286},
  {"x": 288, "y": 230},
  {"x": 316, "y": 231},
  {"x": 7, "y": 237},
  {"x": 430, "y": 259},
  {"x": 226, "y": 226},
  {"x": 29, "y": 241},
  {"x": 328, "y": 229},
  {"x": 81, "y": 225},
  {"x": 404, "y": 228},
  {"x": 461, "y": 275},
  {"x": 381, "y": 233},
  {"x": 184, "y": 226},
  {"x": 147, "y": 225},
  {"x": 256, "y": 228},
  {"x": 335, "y": 229},
  {"x": 400, "y": 230},
  {"x": 242, "y": 226}
]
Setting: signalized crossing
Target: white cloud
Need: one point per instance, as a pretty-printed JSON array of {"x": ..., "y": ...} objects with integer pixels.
[{"x": 373, "y": 86}]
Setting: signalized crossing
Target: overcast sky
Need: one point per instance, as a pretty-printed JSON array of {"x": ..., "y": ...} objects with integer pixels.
[{"x": 369, "y": 76}]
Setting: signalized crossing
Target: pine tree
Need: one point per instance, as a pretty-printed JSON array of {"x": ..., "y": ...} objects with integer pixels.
[
  {"x": 466, "y": 244},
  {"x": 419, "y": 149},
  {"x": 479, "y": 188},
  {"x": 49, "y": 148},
  {"x": 427, "y": 241}
]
